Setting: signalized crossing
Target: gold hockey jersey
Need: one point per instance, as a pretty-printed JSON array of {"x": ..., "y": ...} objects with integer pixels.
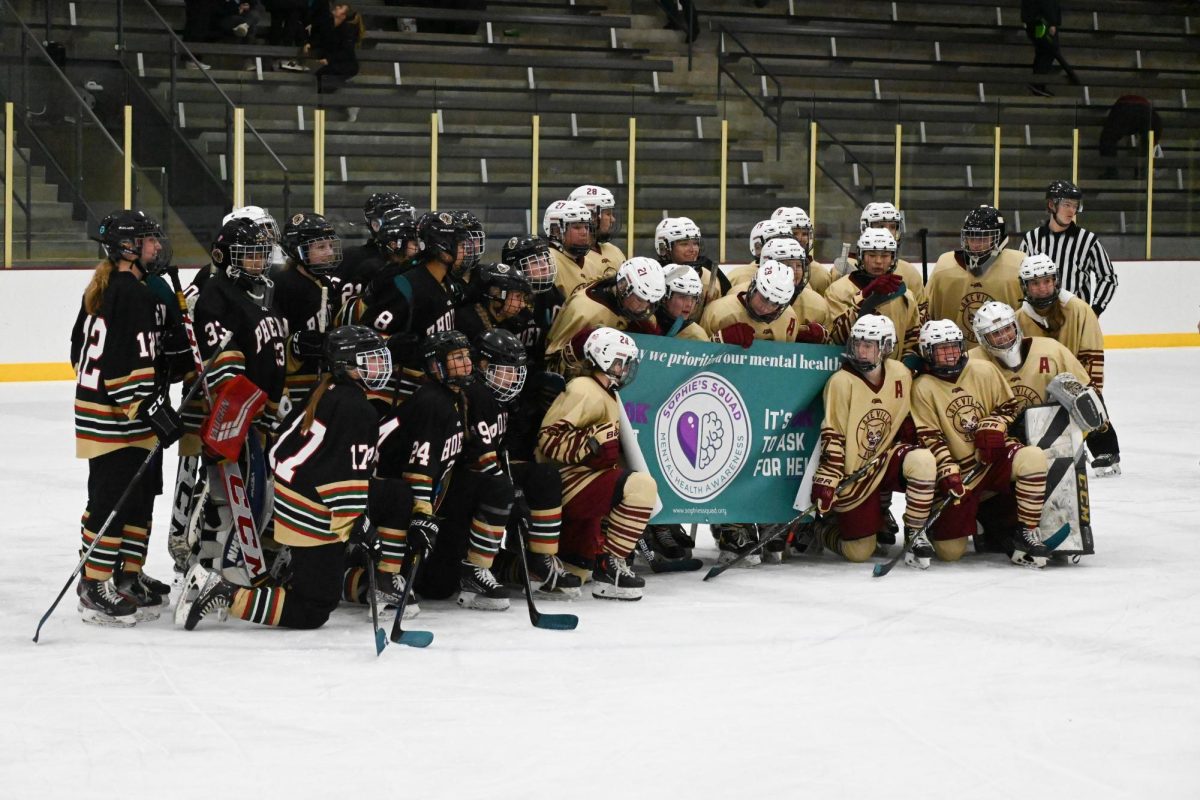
[
  {"x": 572, "y": 274},
  {"x": 1044, "y": 358},
  {"x": 912, "y": 281},
  {"x": 861, "y": 421},
  {"x": 604, "y": 263},
  {"x": 729, "y": 310},
  {"x": 584, "y": 411},
  {"x": 955, "y": 294},
  {"x": 1074, "y": 326},
  {"x": 948, "y": 413},
  {"x": 844, "y": 298}
]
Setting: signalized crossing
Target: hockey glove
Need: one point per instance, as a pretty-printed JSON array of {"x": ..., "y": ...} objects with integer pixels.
[
  {"x": 307, "y": 344},
  {"x": 812, "y": 333},
  {"x": 162, "y": 419},
  {"x": 738, "y": 333},
  {"x": 178, "y": 350},
  {"x": 422, "y": 533},
  {"x": 363, "y": 534},
  {"x": 604, "y": 447},
  {"x": 952, "y": 485},
  {"x": 822, "y": 496},
  {"x": 883, "y": 285},
  {"x": 989, "y": 445}
]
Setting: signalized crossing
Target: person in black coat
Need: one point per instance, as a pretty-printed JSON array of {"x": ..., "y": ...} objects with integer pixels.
[
  {"x": 1042, "y": 19},
  {"x": 333, "y": 38}
]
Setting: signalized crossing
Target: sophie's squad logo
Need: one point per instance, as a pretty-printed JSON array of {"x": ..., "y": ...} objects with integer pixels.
[{"x": 702, "y": 437}]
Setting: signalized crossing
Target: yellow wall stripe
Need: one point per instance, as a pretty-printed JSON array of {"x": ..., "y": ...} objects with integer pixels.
[{"x": 50, "y": 371}]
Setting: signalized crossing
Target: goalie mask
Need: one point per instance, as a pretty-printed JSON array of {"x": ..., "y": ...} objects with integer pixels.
[
  {"x": 872, "y": 339},
  {"x": 876, "y": 252},
  {"x": 882, "y": 215},
  {"x": 133, "y": 236},
  {"x": 766, "y": 230},
  {"x": 261, "y": 217},
  {"x": 569, "y": 223},
  {"x": 614, "y": 353},
  {"x": 941, "y": 346},
  {"x": 448, "y": 359},
  {"x": 770, "y": 292},
  {"x": 678, "y": 240},
  {"x": 1039, "y": 281},
  {"x": 310, "y": 241},
  {"x": 603, "y": 205},
  {"x": 357, "y": 354},
  {"x": 531, "y": 255},
  {"x": 243, "y": 250},
  {"x": 504, "y": 363},
  {"x": 640, "y": 284},
  {"x": 982, "y": 238},
  {"x": 997, "y": 331},
  {"x": 798, "y": 220}
]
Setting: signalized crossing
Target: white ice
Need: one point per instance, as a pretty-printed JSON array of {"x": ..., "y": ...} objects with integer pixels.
[{"x": 973, "y": 680}]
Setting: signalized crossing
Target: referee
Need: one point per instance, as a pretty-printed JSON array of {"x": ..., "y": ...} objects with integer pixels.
[{"x": 1084, "y": 268}]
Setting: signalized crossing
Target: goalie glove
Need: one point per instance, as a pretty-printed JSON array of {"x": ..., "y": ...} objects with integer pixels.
[
  {"x": 237, "y": 403},
  {"x": 1082, "y": 403}
]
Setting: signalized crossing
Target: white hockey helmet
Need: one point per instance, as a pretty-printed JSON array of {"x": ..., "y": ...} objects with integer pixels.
[
  {"x": 613, "y": 353},
  {"x": 937, "y": 334},
  {"x": 598, "y": 199},
  {"x": 764, "y": 231},
  {"x": 682, "y": 279},
  {"x": 564, "y": 212},
  {"x": 997, "y": 331},
  {"x": 796, "y": 218},
  {"x": 785, "y": 250},
  {"x": 876, "y": 240},
  {"x": 643, "y": 278},
  {"x": 259, "y": 216},
  {"x": 1039, "y": 265},
  {"x": 877, "y": 214},
  {"x": 775, "y": 283},
  {"x": 870, "y": 328},
  {"x": 672, "y": 230}
]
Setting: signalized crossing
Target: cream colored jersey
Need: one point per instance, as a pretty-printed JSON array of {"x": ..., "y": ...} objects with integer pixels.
[
  {"x": 580, "y": 311},
  {"x": 1073, "y": 325},
  {"x": 844, "y": 299},
  {"x": 912, "y": 281},
  {"x": 820, "y": 277},
  {"x": 861, "y": 421},
  {"x": 692, "y": 332},
  {"x": 949, "y": 413},
  {"x": 585, "y": 411},
  {"x": 605, "y": 263},
  {"x": 811, "y": 307},
  {"x": 571, "y": 273},
  {"x": 730, "y": 310},
  {"x": 740, "y": 277},
  {"x": 1044, "y": 358},
  {"x": 955, "y": 294}
]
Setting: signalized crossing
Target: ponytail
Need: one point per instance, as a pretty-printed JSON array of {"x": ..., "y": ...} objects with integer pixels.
[
  {"x": 93, "y": 295},
  {"x": 310, "y": 410}
]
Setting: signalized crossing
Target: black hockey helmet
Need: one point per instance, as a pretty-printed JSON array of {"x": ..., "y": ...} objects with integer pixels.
[
  {"x": 438, "y": 349},
  {"x": 358, "y": 347},
  {"x": 496, "y": 279},
  {"x": 531, "y": 255},
  {"x": 1063, "y": 190},
  {"x": 440, "y": 232},
  {"x": 380, "y": 204},
  {"x": 123, "y": 236},
  {"x": 507, "y": 363},
  {"x": 474, "y": 241},
  {"x": 395, "y": 228},
  {"x": 243, "y": 249},
  {"x": 304, "y": 240},
  {"x": 984, "y": 223}
]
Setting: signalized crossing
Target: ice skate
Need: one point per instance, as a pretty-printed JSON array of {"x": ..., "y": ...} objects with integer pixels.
[
  {"x": 613, "y": 580},
  {"x": 389, "y": 593},
  {"x": 1028, "y": 550},
  {"x": 918, "y": 551},
  {"x": 478, "y": 589},
  {"x": 732, "y": 539},
  {"x": 1106, "y": 466},
  {"x": 214, "y": 600},
  {"x": 101, "y": 604}
]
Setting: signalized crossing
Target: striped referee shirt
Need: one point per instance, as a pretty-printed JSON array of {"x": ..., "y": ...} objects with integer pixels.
[{"x": 1084, "y": 268}]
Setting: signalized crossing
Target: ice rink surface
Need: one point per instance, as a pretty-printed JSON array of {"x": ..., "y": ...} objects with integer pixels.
[{"x": 807, "y": 679}]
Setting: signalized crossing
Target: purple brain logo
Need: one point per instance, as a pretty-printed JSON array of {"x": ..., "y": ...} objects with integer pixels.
[{"x": 699, "y": 437}]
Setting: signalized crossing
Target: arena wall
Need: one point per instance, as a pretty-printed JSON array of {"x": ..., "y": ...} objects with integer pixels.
[{"x": 1155, "y": 306}]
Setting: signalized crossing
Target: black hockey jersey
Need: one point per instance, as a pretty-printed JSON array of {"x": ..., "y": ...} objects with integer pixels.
[
  {"x": 298, "y": 300},
  {"x": 487, "y": 422},
  {"x": 422, "y": 443}
]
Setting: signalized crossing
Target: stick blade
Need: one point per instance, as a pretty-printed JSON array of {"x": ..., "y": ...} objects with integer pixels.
[
  {"x": 414, "y": 638},
  {"x": 1058, "y": 537},
  {"x": 883, "y": 569},
  {"x": 714, "y": 571},
  {"x": 380, "y": 640},
  {"x": 557, "y": 622}
]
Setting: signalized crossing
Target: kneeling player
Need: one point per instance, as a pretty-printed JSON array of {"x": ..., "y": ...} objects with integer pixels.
[
  {"x": 866, "y": 409},
  {"x": 963, "y": 408},
  {"x": 605, "y": 507}
]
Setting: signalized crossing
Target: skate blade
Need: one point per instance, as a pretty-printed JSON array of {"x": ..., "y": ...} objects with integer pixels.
[
  {"x": 411, "y": 611},
  {"x": 559, "y": 595},
  {"x": 1029, "y": 562},
  {"x": 93, "y": 617},
  {"x": 751, "y": 561},
  {"x": 476, "y": 602},
  {"x": 916, "y": 562},
  {"x": 1107, "y": 472},
  {"x": 148, "y": 613},
  {"x": 606, "y": 591}
]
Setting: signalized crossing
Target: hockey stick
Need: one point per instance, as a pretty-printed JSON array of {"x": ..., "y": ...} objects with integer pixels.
[
  {"x": 380, "y": 637},
  {"x": 230, "y": 473},
  {"x": 554, "y": 622},
  {"x": 742, "y": 556},
  {"x": 410, "y": 638},
  {"x": 133, "y": 482},
  {"x": 880, "y": 570}
]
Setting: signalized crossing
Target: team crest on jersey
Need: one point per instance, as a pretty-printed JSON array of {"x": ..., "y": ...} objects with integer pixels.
[
  {"x": 970, "y": 304},
  {"x": 1026, "y": 395},
  {"x": 966, "y": 416},
  {"x": 702, "y": 437},
  {"x": 873, "y": 428}
]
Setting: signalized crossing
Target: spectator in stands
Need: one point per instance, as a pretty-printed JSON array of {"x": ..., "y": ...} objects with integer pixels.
[
  {"x": 240, "y": 18},
  {"x": 288, "y": 18},
  {"x": 1131, "y": 115},
  {"x": 334, "y": 35},
  {"x": 1042, "y": 19}
]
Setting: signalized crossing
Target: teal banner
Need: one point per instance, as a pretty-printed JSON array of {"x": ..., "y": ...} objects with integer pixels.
[{"x": 726, "y": 432}]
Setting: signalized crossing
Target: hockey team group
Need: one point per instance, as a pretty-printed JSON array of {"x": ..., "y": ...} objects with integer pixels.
[{"x": 397, "y": 421}]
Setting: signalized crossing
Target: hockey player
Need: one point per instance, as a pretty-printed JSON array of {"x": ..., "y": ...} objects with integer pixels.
[
  {"x": 122, "y": 411},
  {"x": 306, "y": 297},
  {"x": 763, "y": 231},
  {"x": 809, "y": 306},
  {"x": 605, "y": 507},
  {"x": 605, "y": 257},
  {"x": 1060, "y": 315},
  {"x": 568, "y": 226},
  {"x": 820, "y": 275},
  {"x": 875, "y": 288},
  {"x": 473, "y": 244},
  {"x": 504, "y": 299},
  {"x": 982, "y": 270},
  {"x": 531, "y": 255},
  {"x": 322, "y": 465},
  {"x": 393, "y": 243},
  {"x": 867, "y": 408},
  {"x": 377, "y": 206},
  {"x": 625, "y": 301},
  {"x": 677, "y": 240},
  {"x": 962, "y": 409},
  {"x": 674, "y": 312},
  {"x": 885, "y": 215}
]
